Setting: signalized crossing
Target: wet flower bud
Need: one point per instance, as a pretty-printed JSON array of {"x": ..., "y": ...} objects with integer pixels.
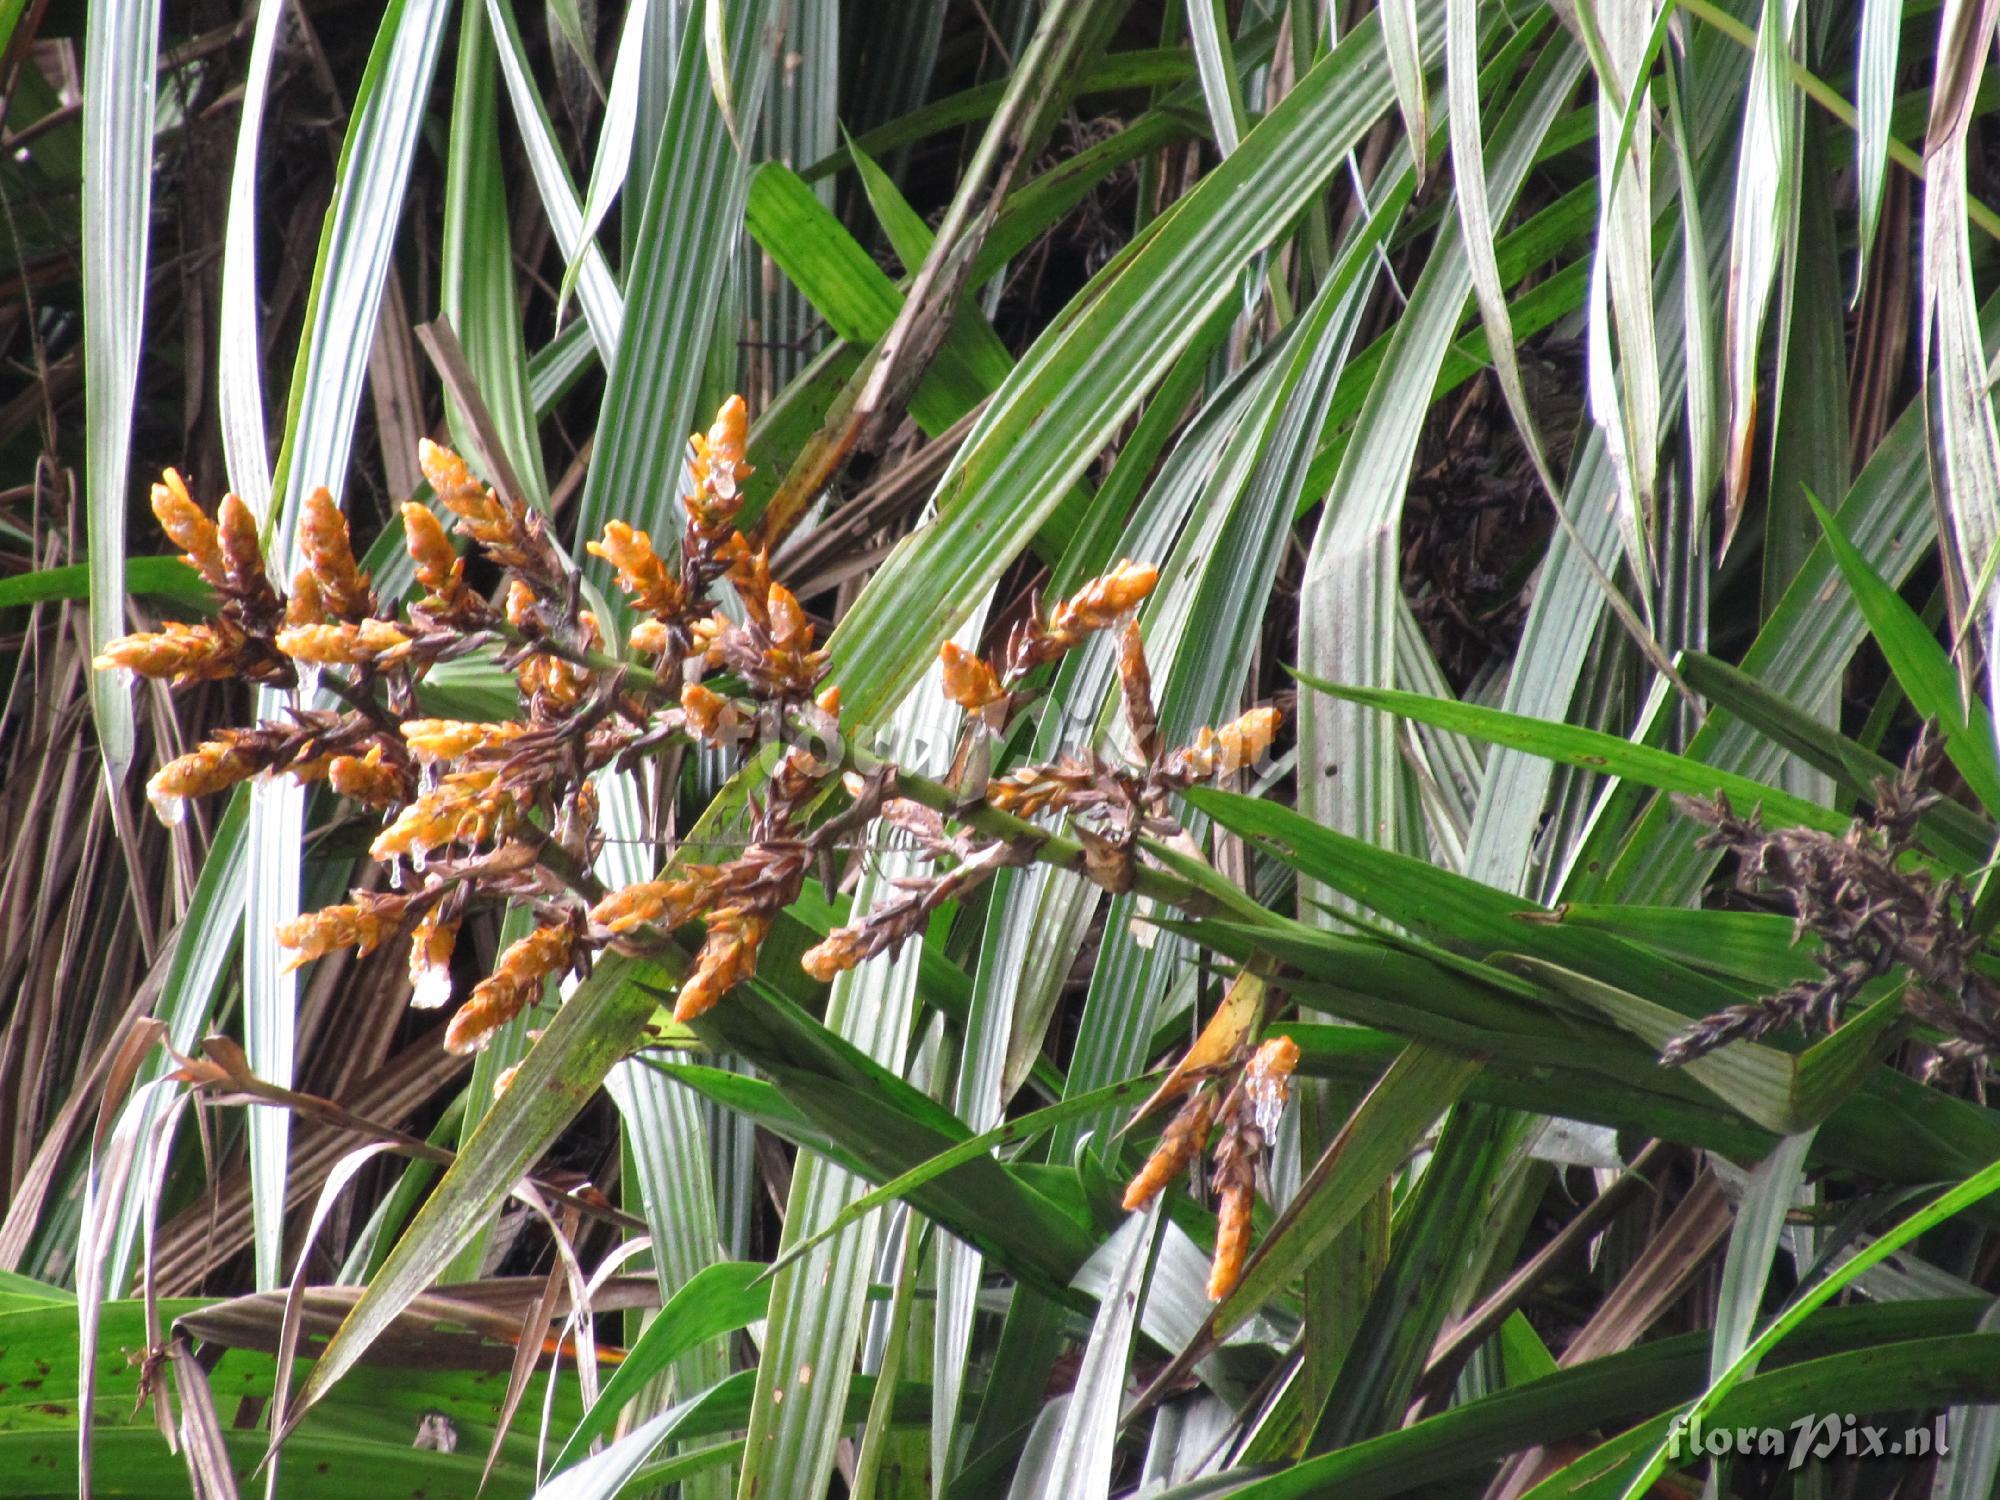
[
  {"x": 343, "y": 644},
  {"x": 330, "y": 554},
  {"x": 367, "y": 778},
  {"x": 431, "y": 947},
  {"x": 189, "y": 528},
  {"x": 212, "y": 767},
  {"x": 516, "y": 982}
]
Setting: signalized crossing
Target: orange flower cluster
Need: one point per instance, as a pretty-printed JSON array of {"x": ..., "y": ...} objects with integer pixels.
[
  {"x": 229, "y": 557},
  {"x": 676, "y": 603},
  {"x": 1113, "y": 804},
  {"x": 514, "y": 984},
  {"x": 737, "y": 901},
  {"x": 1248, "y": 1113},
  {"x": 479, "y": 811},
  {"x": 977, "y": 686}
]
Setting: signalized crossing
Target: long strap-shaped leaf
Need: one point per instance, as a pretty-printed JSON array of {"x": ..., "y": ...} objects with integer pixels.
[
  {"x": 118, "y": 97},
  {"x": 1082, "y": 379},
  {"x": 239, "y": 368},
  {"x": 817, "y": 1303},
  {"x": 326, "y": 395},
  {"x": 688, "y": 224},
  {"x": 1348, "y": 599}
]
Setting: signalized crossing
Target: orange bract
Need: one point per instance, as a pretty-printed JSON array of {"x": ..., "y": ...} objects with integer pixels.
[
  {"x": 727, "y": 958},
  {"x": 642, "y": 572},
  {"x": 188, "y": 527},
  {"x": 1232, "y": 1241},
  {"x": 359, "y": 925},
  {"x": 186, "y": 653},
  {"x": 515, "y": 983},
  {"x": 1100, "y": 602},
  {"x": 969, "y": 681},
  {"x": 342, "y": 643},
  {"x": 1184, "y": 1136},
  {"x": 213, "y": 767}
]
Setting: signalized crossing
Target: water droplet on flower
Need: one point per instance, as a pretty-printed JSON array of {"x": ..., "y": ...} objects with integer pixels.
[{"x": 432, "y": 988}]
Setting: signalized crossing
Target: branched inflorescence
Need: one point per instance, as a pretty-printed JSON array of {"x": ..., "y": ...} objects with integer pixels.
[
  {"x": 1247, "y": 1111},
  {"x": 479, "y": 812},
  {"x": 1872, "y": 912}
]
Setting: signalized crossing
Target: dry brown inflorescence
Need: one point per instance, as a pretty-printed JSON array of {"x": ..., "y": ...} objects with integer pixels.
[
  {"x": 1873, "y": 910},
  {"x": 478, "y": 813}
]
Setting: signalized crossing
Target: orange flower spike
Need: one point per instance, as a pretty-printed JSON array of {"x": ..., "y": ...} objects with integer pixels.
[
  {"x": 968, "y": 680},
  {"x": 642, "y": 572},
  {"x": 439, "y": 567},
  {"x": 716, "y": 470},
  {"x": 343, "y": 644},
  {"x": 789, "y": 626},
  {"x": 671, "y": 903},
  {"x": 431, "y": 947},
  {"x": 1184, "y": 1136},
  {"x": 330, "y": 553},
  {"x": 367, "y": 779},
  {"x": 318, "y": 933},
  {"x": 307, "y": 605},
  {"x": 242, "y": 549},
  {"x": 464, "y": 807},
  {"x": 836, "y": 953},
  {"x": 515, "y": 983},
  {"x": 433, "y": 740},
  {"x": 188, "y": 653},
  {"x": 1243, "y": 741},
  {"x": 212, "y": 767},
  {"x": 727, "y": 958},
  {"x": 728, "y": 439},
  {"x": 1232, "y": 1241},
  {"x": 1100, "y": 602},
  {"x": 188, "y": 527},
  {"x": 447, "y": 474}
]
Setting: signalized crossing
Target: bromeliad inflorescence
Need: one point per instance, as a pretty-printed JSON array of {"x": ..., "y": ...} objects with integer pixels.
[{"x": 504, "y": 811}]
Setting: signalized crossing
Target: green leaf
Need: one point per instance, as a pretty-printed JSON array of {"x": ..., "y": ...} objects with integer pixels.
[
  {"x": 1083, "y": 378},
  {"x": 719, "y": 1299},
  {"x": 1920, "y": 665},
  {"x": 118, "y": 103},
  {"x": 1591, "y": 750},
  {"x": 688, "y": 221},
  {"x": 145, "y": 577}
]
